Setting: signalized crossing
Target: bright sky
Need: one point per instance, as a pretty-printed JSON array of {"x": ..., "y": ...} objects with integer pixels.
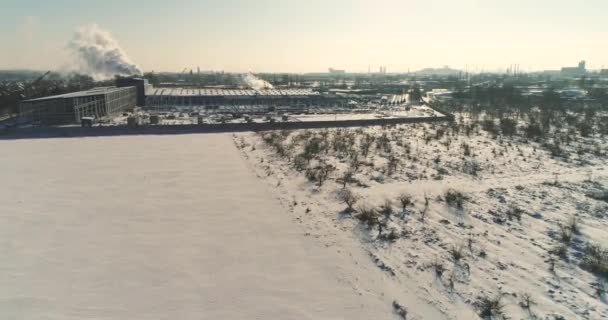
[{"x": 312, "y": 35}]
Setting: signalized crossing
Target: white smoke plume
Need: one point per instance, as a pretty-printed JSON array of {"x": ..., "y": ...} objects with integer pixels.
[
  {"x": 256, "y": 83},
  {"x": 99, "y": 55}
]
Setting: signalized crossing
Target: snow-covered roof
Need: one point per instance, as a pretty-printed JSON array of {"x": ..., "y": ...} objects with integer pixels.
[{"x": 230, "y": 92}]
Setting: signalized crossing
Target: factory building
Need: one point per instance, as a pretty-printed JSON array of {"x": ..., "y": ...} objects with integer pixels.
[
  {"x": 72, "y": 107},
  {"x": 578, "y": 71},
  {"x": 142, "y": 86},
  {"x": 184, "y": 97}
]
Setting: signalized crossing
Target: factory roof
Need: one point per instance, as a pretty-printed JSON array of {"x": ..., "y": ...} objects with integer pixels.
[
  {"x": 91, "y": 92},
  {"x": 230, "y": 92}
]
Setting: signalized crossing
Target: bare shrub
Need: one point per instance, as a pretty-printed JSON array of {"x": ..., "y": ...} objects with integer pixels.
[
  {"x": 560, "y": 251},
  {"x": 471, "y": 166},
  {"x": 491, "y": 308},
  {"x": 508, "y": 126},
  {"x": 514, "y": 213},
  {"x": 300, "y": 162},
  {"x": 386, "y": 209},
  {"x": 400, "y": 310},
  {"x": 573, "y": 225},
  {"x": 595, "y": 259},
  {"x": 437, "y": 267},
  {"x": 392, "y": 164},
  {"x": 367, "y": 216},
  {"x": 456, "y": 253},
  {"x": 565, "y": 235},
  {"x": 455, "y": 198},
  {"x": 391, "y": 236},
  {"x": 319, "y": 173},
  {"x": 466, "y": 149},
  {"x": 405, "y": 200},
  {"x": 347, "y": 177},
  {"x": 349, "y": 198},
  {"x": 526, "y": 301}
]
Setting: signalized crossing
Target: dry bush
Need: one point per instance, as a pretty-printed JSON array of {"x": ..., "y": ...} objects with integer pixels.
[
  {"x": 471, "y": 166},
  {"x": 400, "y": 310},
  {"x": 466, "y": 149},
  {"x": 491, "y": 308},
  {"x": 367, "y": 216},
  {"x": 526, "y": 301},
  {"x": 456, "y": 253},
  {"x": 560, "y": 250},
  {"x": 455, "y": 198},
  {"x": 405, "y": 200},
  {"x": 392, "y": 236},
  {"x": 349, "y": 198},
  {"x": 573, "y": 225},
  {"x": 565, "y": 235},
  {"x": 508, "y": 126},
  {"x": 514, "y": 213},
  {"x": 595, "y": 259},
  {"x": 437, "y": 267},
  {"x": 386, "y": 209},
  {"x": 320, "y": 173},
  {"x": 347, "y": 177}
]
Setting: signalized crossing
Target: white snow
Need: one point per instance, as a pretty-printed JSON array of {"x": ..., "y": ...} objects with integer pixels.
[
  {"x": 512, "y": 172},
  {"x": 171, "y": 227}
]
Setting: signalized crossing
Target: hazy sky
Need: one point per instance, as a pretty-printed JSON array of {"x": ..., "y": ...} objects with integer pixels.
[{"x": 312, "y": 35}]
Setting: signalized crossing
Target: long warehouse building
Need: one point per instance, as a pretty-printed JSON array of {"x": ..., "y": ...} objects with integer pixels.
[
  {"x": 186, "y": 97},
  {"x": 72, "y": 107}
]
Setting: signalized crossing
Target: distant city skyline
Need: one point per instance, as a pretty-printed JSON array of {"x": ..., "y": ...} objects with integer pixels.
[{"x": 312, "y": 36}]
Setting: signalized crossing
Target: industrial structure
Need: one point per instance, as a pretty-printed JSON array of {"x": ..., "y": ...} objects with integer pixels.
[
  {"x": 578, "y": 71},
  {"x": 72, "y": 107},
  {"x": 161, "y": 98},
  {"x": 142, "y": 86}
]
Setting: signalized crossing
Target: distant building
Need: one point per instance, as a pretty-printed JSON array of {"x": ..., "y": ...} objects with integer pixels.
[
  {"x": 141, "y": 84},
  {"x": 439, "y": 94},
  {"x": 335, "y": 71},
  {"x": 72, "y": 107},
  {"x": 167, "y": 98},
  {"x": 574, "y": 71}
]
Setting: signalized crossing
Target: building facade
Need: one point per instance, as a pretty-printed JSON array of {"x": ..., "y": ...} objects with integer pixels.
[
  {"x": 578, "y": 71},
  {"x": 70, "y": 108},
  {"x": 167, "y": 98}
]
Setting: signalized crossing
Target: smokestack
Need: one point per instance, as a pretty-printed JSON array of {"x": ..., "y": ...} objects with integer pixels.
[{"x": 99, "y": 54}]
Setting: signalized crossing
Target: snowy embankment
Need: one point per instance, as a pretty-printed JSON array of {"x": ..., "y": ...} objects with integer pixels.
[
  {"x": 493, "y": 227},
  {"x": 171, "y": 227}
]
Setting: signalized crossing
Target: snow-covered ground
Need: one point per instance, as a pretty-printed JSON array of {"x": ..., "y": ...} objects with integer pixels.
[
  {"x": 413, "y": 112},
  {"x": 240, "y": 227},
  {"x": 482, "y": 248},
  {"x": 165, "y": 227}
]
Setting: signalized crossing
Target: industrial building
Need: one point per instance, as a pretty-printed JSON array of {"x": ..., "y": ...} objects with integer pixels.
[
  {"x": 72, "y": 107},
  {"x": 186, "y": 97},
  {"x": 142, "y": 86},
  {"x": 578, "y": 71}
]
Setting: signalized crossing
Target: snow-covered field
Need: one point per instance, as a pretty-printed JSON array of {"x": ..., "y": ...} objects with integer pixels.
[
  {"x": 255, "y": 226},
  {"x": 164, "y": 227},
  {"x": 527, "y": 215},
  {"x": 413, "y": 112}
]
